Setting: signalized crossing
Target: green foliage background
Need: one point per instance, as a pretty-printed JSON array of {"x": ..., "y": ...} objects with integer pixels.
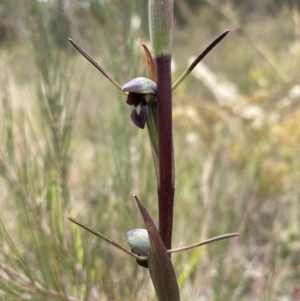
[{"x": 68, "y": 148}]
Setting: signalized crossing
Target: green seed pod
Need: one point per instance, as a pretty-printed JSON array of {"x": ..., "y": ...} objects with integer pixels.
[{"x": 138, "y": 241}]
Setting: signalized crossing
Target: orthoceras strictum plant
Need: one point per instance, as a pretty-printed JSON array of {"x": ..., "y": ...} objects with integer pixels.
[
  {"x": 141, "y": 91},
  {"x": 150, "y": 246}
]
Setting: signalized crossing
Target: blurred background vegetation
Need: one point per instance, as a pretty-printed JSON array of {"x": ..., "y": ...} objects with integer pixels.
[{"x": 68, "y": 148}]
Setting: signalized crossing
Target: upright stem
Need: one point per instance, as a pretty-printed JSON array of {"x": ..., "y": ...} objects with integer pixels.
[
  {"x": 160, "y": 24},
  {"x": 165, "y": 140}
]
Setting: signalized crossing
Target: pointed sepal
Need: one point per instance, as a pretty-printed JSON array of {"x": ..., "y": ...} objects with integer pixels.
[
  {"x": 199, "y": 58},
  {"x": 108, "y": 240},
  {"x": 150, "y": 62}
]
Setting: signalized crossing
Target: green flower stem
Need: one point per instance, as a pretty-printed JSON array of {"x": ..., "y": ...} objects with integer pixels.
[
  {"x": 160, "y": 24},
  {"x": 153, "y": 135},
  {"x": 152, "y": 115}
]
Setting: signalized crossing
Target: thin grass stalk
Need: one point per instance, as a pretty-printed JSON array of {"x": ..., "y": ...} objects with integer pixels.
[{"x": 36, "y": 179}]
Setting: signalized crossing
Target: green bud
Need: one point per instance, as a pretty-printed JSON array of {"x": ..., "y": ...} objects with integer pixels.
[{"x": 138, "y": 241}]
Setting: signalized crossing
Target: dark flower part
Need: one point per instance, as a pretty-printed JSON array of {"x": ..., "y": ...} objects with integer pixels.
[
  {"x": 140, "y": 91},
  {"x": 133, "y": 99},
  {"x": 139, "y": 114}
]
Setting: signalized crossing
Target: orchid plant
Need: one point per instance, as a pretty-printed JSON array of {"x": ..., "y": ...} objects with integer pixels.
[{"x": 151, "y": 99}]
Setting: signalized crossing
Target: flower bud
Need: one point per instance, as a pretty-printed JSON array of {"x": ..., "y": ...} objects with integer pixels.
[{"x": 138, "y": 241}]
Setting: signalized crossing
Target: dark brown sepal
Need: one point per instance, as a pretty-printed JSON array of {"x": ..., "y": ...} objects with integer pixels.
[
  {"x": 143, "y": 263},
  {"x": 133, "y": 99}
]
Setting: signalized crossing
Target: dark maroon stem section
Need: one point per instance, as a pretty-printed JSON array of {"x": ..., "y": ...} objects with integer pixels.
[{"x": 165, "y": 140}]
